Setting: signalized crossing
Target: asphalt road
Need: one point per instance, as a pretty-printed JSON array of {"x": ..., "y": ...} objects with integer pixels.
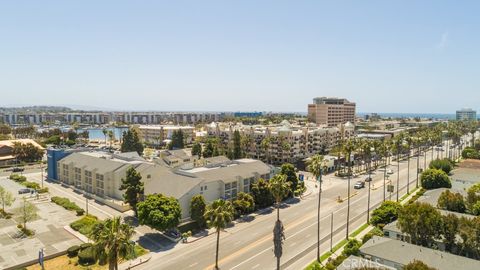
[{"x": 249, "y": 245}]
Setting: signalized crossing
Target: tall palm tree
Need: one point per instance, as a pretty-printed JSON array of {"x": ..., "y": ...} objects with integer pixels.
[
  {"x": 112, "y": 241},
  {"x": 111, "y": 137},
  {"x": 279, "y": 187},
  {"x": 408, "y": 146},
  {"x": 317, "y": 166},
  {"x": 348, "y": 148},
  {"x": 367, "y": 156},
  {"x": 105, "y": 133},
  {"x": 218, "y": 214},
  {"x": 383, "y": 152}
]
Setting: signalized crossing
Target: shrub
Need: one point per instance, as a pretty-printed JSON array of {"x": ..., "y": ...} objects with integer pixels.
[
  {"x": 352, "y": 248},
  {"x": 42, "y": 190},
  {"x": 85, "y": 245},
  {"x": 476, "y": 209},
  {"x": 470, "y": 152},
  {"x": 442, "y": 164},
  {"x": 66, "y": 203},
  {"x": 375, "y": 231},
  {"x": 452, "y": 202},
  {"x": 18, "y": 178},
  {"x": 85, "y": 224},
  {"x": 32, "y": 185},
  {"x": 86, "y": 256},
  {"x": 434, "y": 178},
  {"x": 73, "y": 251},
  {"x": 417, "y": 265},
  {"x": 386, "y": 213}
]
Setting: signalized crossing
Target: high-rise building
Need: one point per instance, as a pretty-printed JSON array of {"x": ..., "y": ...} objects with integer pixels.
[
  {"x": 466, "y": 114},
  {"x": 331, "y": 111}
]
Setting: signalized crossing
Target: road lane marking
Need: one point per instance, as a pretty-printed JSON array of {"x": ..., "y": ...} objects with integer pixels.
[{"x": 193, "y": 264}]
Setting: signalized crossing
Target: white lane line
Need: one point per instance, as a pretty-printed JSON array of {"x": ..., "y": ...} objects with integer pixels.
[
  {"x": 293, "y": 244},
  {"x": 255, "y": 266},
  {"x": 193, "y": 264}
]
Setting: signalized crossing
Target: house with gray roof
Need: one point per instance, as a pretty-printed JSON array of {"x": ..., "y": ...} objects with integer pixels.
[{"x": 397, "y": 254}]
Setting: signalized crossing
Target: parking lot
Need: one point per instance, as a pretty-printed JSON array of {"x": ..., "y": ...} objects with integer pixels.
[{"x": 48, "y": 227}]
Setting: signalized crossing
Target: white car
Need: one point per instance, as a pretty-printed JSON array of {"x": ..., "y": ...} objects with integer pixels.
[{"x": 389, "y": 171}]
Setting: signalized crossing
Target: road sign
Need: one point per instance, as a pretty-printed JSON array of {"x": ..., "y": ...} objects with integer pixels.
[{"x": 390, "y": 188}]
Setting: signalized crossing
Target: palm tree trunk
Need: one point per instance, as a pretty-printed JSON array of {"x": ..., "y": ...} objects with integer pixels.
[
  {"x": 398, "y": 174},
  {"x": 348, "y": 202},
  {"x": 418, "y": 163},
  {"x": 216, "y": 253},
  {"x": 408, "y": 171},
  {"x": 318, "y": 216}
]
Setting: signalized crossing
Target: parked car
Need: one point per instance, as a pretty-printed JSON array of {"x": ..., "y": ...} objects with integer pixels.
[
  {"x": 17, "y": 169},
  {"x": 359, "y": 185},
  {"x": 368, "y": 179},
  {"x": 23, "y": 191},
  {"x": 390, "y": 171}
]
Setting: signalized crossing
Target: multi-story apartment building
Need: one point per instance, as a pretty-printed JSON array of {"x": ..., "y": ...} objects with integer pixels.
[
  {"x": 157, "y": 134},
  {"x": 99, "y": 175},
  {"x": 282, "y": 143},
  {"x": 466, "y": 114},
  {"x": 331, "y": 111}
]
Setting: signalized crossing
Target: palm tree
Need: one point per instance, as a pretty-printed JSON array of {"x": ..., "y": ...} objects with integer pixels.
[
  {"x": 218, "y": 215},
  {"x": 265, "y": 145},
  {"x": 111, "y": 137},
  {"x": 348, "y": 148},
  {"x": 316, "y": 167},
  {"x": 279, "y": 187},
  {"x": 408, "y": 146},
  {"x": 112, "y": 241},
  {"x": 366, "y": 147},
  {"x": 105, "y": 132},
  {"x": 397, "y": 144}
]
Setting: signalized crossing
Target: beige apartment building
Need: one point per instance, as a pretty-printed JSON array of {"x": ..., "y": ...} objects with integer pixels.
[
  {"x": 277, "y": 144},
  {"x": 162, "y": 134},
  {"x": 100, "y": 174},
  {"x": 331, "y": 111}
]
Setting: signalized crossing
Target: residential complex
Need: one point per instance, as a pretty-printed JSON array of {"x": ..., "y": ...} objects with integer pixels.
[
  {"x": 162, "y": 134},
  {"x": 466, "y": 114},
  {"x": 285, "y": 142},
  {"x": 331, "y": 111},
  {"x": 6, "y": 149},
  {"x": 100, "y": 174},
  {"x": 102, "y": 118}
]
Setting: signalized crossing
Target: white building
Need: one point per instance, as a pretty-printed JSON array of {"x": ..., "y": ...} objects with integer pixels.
[
  {"x": 161, "y": 134},
  {"x": 466, "y": 114}
]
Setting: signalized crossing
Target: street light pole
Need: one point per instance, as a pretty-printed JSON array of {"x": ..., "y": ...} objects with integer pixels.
[
  {"x": 86, "y": 205},
  {"x": 368, "y": 204},
  {"x": 318, "y": 215},
  {"x": 331, "y": 232}
]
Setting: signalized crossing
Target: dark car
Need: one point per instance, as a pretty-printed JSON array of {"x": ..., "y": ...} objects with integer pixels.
[
  {"x": 16, "y": 169},
  {"x": 23, "y": 191},
  {"x": 359, "y": 185},
  {"x": 368, "y": 179}
]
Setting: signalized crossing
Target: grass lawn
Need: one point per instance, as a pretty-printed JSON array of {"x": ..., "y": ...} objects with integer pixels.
[{"x": 64, "y": 263}]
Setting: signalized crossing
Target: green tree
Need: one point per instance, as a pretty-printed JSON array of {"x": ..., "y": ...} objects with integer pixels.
[
  {"x": 178, "y": 140},
  {"x": 421, "y": 221},
  {"x": 197, "y": 210},
  {"x": 244, "y": 204},
  {"x": 131, "y": 142},
  {"x": 112, "y": 241},
  {"x": 237, "y": 145},
  {"x": 442, "y": 164},
  {"x": 452, "y": 201},
  {"x": 197, "y": 149},
  {"x": 433, "y": 178},
  {"x": 261, "y": 194},
  {"x": 159, "y": 212},
  {"x": 133, "y": 187},
  {"x": 209, "y": 149},
  {"x": 6, "y": 198},
  {"x": 386, "y": 213},
  {"x": 28, "y": 212},
  {"x": 218, "y": 215},
  {"x": 288, "y": 170},
  {"x": 417, "y": 265},
  {"x": 449, "y": 231},
  {"x": 352, "y": 248},
  {"x": 473, "y": 196},
  {"x": 105, "y": 133},
  {"x": 5, "y": 129},
  {"x": 26, "y": 152}
]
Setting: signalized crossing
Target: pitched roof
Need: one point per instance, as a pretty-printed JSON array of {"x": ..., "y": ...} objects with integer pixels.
[
  {"x": 99, "y": 163},
  {"x": 404, "y": 253},
  {"x": 10, "y": 143}
]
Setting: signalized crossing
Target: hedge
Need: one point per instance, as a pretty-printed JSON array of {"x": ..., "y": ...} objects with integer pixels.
[
  {"x": 73, "y": 251},
  {"x": 87, "y": 256},
  {"x": 66, "y": 203},
  {"x": 85, "y": 224}
]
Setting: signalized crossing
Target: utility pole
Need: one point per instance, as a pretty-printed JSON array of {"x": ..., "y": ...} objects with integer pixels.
[
  {"x": 86, "y": 205},
  {"x": 331, "y": 232},
  {"x": 368, "y": 204}
]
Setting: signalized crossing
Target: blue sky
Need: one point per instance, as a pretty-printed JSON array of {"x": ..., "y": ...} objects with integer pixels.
[{"x": 388, "y": 56}]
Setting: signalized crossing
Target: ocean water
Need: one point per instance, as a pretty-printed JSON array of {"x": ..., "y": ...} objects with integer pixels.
[{"x": 413, "y": 115}]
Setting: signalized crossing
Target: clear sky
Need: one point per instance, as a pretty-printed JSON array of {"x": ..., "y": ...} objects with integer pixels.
[{"x": 388, "y": 56}]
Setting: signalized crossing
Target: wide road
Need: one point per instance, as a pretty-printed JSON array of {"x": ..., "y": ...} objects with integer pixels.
[{"x": 249, "y": 245}]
